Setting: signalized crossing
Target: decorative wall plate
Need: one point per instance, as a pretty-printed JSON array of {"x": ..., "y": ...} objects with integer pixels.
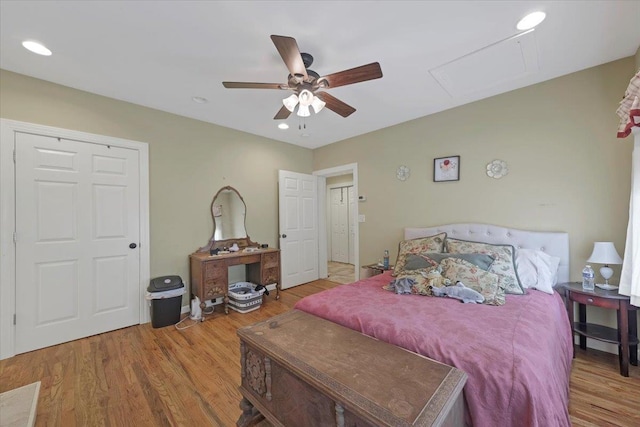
[
  {"x": 497, "y": 169},
  {"x": 402, "y": 173}
]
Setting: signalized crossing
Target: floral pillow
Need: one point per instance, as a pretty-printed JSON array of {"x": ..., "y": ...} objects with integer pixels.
[
  {"x": 433, "y": 243},
  {"x": 504, "y": 265},
  {"x": 490, "y": 285}
]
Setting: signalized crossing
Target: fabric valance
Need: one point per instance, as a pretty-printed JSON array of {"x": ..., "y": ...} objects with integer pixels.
[{"x": 629, "y": 109}]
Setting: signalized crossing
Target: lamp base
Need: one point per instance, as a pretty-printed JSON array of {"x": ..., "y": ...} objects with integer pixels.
[
  {"x": 606, "y": 286},
  {"x": 606, "y": 272}
]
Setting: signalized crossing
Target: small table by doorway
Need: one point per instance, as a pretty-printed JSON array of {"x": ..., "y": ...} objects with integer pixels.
[{"x": 372, "y": 270}]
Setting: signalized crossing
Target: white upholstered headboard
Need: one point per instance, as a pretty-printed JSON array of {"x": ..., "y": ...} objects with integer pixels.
[{"x": 550, "y": 242}]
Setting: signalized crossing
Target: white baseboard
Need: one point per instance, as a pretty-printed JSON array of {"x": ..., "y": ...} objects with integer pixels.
[{"x": 599, "y": 345}]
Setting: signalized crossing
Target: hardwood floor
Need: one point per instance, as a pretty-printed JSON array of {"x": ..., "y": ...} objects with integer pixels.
[
  {"x": 340, "y": 272},
  {"x": 154, "y": 377}
]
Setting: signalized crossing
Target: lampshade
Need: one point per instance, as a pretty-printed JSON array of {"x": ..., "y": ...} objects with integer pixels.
[
  {"x": 317, "y": 104},
  {"x": 290, "y": 102},
  {"x": 305, "y": 98},
  {"x": 604, "y": 253},
  {"x": 303, "y": 110}
]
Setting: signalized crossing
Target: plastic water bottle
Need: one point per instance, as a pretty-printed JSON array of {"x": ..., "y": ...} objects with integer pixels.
[
  {"x": 588, "y": 278},
  {"x": 385, "y": 260}
]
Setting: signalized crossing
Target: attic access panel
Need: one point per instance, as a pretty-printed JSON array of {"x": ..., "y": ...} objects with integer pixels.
[{"x": 489, "y": 66}]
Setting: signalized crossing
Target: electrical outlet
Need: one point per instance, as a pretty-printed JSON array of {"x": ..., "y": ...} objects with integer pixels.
[{"x": 211, "y": 303}]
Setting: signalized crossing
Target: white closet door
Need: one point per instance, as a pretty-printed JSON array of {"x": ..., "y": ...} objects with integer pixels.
[
  {"x": 339, "y": 225},
  {"x": 77, "y": 214}
]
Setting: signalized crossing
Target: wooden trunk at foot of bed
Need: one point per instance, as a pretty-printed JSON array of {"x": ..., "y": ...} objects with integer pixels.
[{"x": 298, "y": 369}]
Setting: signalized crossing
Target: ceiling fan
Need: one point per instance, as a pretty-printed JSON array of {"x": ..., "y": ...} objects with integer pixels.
[{"x": 308, "y": 85}]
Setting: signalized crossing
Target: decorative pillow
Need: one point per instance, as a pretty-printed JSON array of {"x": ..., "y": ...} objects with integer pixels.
[
  {"x": 490, "y": 285},
  {"x": 537, "y": 270},
  {"x": 429, "y": 259},
  {"x": 418, "y": 262},
  {"x": 433, "y": 243},
  {"x": 504, "y": 265},
  {"x": 428, "y": 280}
]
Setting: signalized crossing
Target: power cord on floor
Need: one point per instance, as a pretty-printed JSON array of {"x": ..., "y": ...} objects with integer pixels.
[
  {"x": 195, "y": 322},
  {"x": 206, "y": 311}
]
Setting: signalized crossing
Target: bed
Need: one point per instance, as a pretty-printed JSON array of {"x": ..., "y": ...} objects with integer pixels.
[{"x": 517, "y": 355}]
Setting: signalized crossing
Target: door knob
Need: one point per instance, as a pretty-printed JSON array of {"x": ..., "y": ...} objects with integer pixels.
[
  {"x": 132, "y": 245},
  {"x": 284, "y": 236}
]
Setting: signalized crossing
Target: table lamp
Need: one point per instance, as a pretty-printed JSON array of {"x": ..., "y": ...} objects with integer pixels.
[{"x": 605, "y": 253}]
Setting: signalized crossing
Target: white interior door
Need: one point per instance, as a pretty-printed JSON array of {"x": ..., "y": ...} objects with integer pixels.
[
  {"x": 298, "y": 206},
  {"x": 353, "y": 224},
  {"x": 339, "y": 225},
  {"x": 77, "y": 213}
]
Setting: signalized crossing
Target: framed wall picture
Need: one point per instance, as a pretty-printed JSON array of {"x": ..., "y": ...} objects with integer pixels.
[{"x": 446, "y": 169}]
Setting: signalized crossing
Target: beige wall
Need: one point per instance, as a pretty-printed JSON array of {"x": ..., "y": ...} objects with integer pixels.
[
  {"x": 338, "y": 180},
  {"x": 189, "y": 161},
  {"x": 567, "y": 170}
]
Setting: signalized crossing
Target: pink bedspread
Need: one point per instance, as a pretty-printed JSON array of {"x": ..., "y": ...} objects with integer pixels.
[{"x": 517, "y": 356}]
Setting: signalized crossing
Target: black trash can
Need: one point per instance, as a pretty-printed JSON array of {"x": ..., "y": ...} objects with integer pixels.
[{"x": 165, "y": 294}]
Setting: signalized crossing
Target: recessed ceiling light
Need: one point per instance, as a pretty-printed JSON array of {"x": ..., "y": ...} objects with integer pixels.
[
  {"x": 200, "y": 100},
  {"x": 531, "y": 20},
  {"x": 36, "y": 47},
  {"x": 283, "y": 126}
]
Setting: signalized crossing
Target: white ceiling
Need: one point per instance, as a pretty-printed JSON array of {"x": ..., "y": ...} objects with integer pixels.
[{"x": 160, "y": 54}]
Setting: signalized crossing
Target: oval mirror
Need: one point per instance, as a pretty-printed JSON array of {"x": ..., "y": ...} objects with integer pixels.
[{"x": 228, "y": 211}]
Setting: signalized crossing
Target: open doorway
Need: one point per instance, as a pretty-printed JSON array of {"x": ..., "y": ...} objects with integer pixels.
[
  {"x": 338, "y": 223},
  {"x": 341, "y": 225}
]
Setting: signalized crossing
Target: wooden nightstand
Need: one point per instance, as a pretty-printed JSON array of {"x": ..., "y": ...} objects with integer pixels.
[
  {"x": 626, "y": 335},
  {"x": 372, "y": 270}
]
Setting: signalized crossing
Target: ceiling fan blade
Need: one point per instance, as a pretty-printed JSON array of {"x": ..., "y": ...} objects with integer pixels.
[
  {"x": 251, "y": 85},
  {"x": 282, "y": 114},
  {"x": 354, "y": 75},
  {"x": 334, "y": 104},
  {"x": 288, "y": 48}
]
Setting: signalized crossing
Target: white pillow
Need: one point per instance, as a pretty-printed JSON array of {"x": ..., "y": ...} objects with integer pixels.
[{"x": 537, "y": 270}]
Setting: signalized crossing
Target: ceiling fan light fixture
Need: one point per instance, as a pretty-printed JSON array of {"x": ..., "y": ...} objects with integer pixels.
[
  {"x": 305, "y": 97},
  {"x": 303, "y": 110},
  {"x": 317, "y": 104},
  {"x": 290, "y": 102},
  {"x": 531, "y": 20}
]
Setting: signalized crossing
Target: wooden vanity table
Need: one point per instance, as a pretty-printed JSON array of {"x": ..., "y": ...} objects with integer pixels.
[{"x": 209, "y": 273}]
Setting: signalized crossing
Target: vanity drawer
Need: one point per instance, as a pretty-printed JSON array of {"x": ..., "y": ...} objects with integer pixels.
[
  {"x": 214, "y": 270},
  {"x": 270, "y": 275},
  {"x": 271, "y": 260},
  {"x": 212, "y": 291}
]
